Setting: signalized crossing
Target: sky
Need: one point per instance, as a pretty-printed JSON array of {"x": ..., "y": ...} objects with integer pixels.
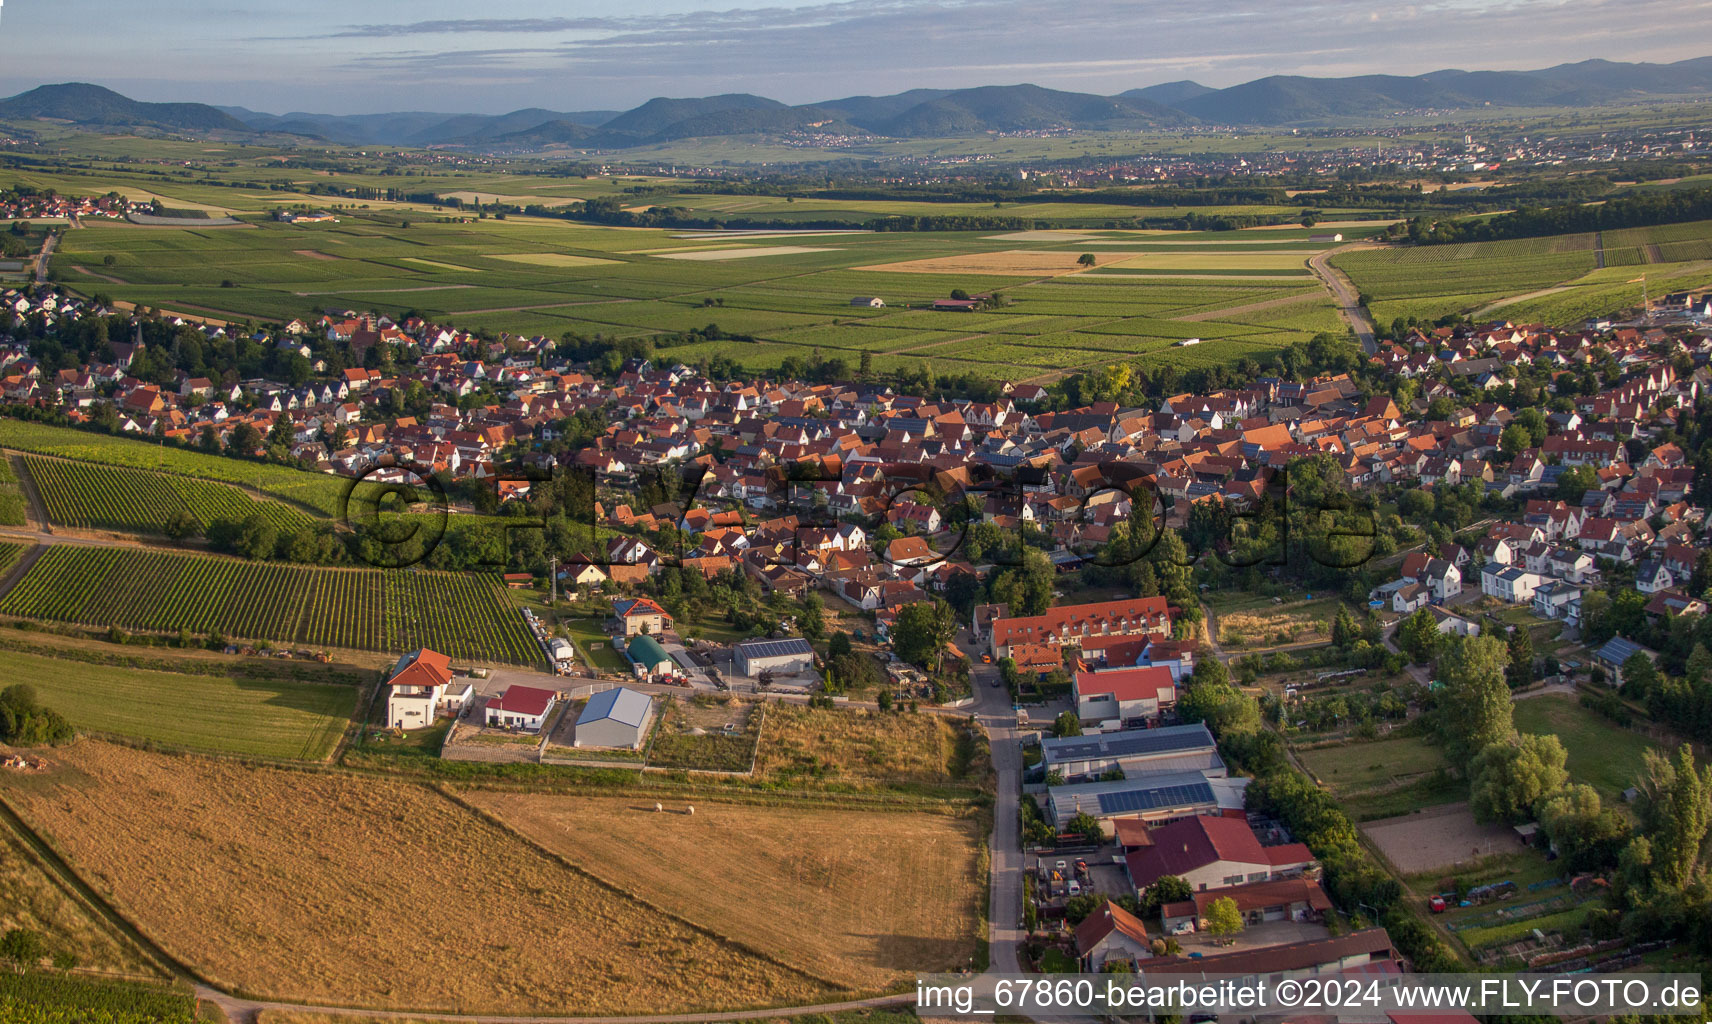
[{"x": 492, "y": 56}]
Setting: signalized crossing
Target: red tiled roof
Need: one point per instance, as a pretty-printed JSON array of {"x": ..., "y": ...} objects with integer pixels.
[
  {"x": 422, "y": 668},
  {"x": 1148, "y": 683},
  {"x": 1108, "y": 919},
  {"x": 523, "y": 700},
  {"x": 1191, "y": 843}
]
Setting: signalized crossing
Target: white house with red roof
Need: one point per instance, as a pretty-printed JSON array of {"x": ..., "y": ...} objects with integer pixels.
[
  {"x": 1118, "y": 697},
  {"x": 1212, "y": 853},
  {"x": 1111, "y": 934},
  {"x": 421, "y": 688},
  {"x": 521, "y": 707},
  {"x": 1070, "y": 624}
]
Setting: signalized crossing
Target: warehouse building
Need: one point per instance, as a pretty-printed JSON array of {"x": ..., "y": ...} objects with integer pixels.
[
  {"x": 792, "y": 657},
  {"x": 1171, "y": 750},
  {"x": 1154, "y": 799},
  {"x": 649, "y": 659},
  {"x": 615, "y": 718}
]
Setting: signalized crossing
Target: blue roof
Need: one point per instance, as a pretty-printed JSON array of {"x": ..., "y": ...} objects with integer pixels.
[
  {"x": 1618, "y": 650},
  {"x": 620, "y": 704},
  {"x": 774, "y": 648},
  {"x": 1148, "y": 798},
  {"x": 1174, "y": 739}
]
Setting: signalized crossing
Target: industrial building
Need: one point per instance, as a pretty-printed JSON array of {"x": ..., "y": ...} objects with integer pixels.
[
  {"x": 1154, "y": 799},
  {"x": 615, "y": 718},
  {"x": 1174, "y": 749},
  {"x": 792, "y": 657}
]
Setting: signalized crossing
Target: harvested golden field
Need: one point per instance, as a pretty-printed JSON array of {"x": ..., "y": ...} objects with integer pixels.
[
  {"x": 31, "y": 898},
  {"x": 834, "y": 743},
  {"x": 332, "y": 888},
  {"x": 861, "y": 898},
  {"x": 1018, "y": 262}
]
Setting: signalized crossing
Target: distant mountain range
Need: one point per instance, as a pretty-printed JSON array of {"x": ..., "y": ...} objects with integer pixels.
[{"x": 1279, "y": 100}]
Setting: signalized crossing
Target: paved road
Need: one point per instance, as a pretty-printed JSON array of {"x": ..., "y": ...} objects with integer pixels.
[
  {"x": 245, "y": 1011},
  {"x": 48, "y": 244},
  {"x": 1345, "y": 294},
  {"x": 1004, "y": 903}
]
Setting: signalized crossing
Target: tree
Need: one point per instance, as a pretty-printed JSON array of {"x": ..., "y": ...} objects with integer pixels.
[
  {"x": 1675, "y": 811},
  {"x": 209, "y": 441},
  {"x": 839, "y": 646},
  {"x": 1087, "y": 259},
  {"x": 1223, "y": 918},
  {"x": 922, "y": 630},
  {"x": 1510, "y": 778},
  {"x": 22, "y": 946},
  {"x": 1474, "y": 708},
  {"x": 1515, "y": 439},
  {"x": 1067, "y": 724},
  {"x": 1580, "y": 828},
  {"x": 812, "y": 621},
  {"x": 180, "y": 524},
  {"x": 1165, "y": 889},
  {"x": 1089, "y": 827},
  {"x": 245, "y": 439},
  {"x": 24, "y": 722},
  {"x": 1520, "y": 648},
  {"x": 1344, "y": 629},
  {"x": 1419, "y": 637}
]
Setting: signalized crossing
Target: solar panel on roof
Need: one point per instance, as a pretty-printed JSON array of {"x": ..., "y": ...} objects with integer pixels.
[
  {"x": 1128, "y": 744},
  {"x": 1152, "y": 799},
  {"x": 775, "y": 648}
]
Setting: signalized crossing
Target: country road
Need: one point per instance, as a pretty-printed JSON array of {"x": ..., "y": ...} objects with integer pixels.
[
  {"x": 48, "y": 245},
  {"x": 1344, "y": 292}
]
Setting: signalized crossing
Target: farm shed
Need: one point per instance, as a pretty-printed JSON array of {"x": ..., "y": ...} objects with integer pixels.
[
  {"x": 648, "y": 658},
  {"x": 615, "y": 718},
  {"x": 521, "y": 707},
  {"x": 786, "y": 657}
]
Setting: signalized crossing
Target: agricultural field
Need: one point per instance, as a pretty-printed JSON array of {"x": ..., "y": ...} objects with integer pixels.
[
  {"x": 820, "y": 870},
  {"x": 12, "y": 502},
  {"x": 1252, "y": 621},
  {"x": 1602, "y": 753},
  {"x": 82, "y": 494},
  {"x": 467, "y": 616},
  {"x": 1558, "y": 280},
  {"x": 31, "y": 898},
  {"x": 1383, "y": 777},
  {"x": 319, "y": 493},
  {"x": 548, "y": 276},
  {"x": 864, "y": 746},
  {"x": 213, "y": 868},
  {"x": 233, "y": 714}
]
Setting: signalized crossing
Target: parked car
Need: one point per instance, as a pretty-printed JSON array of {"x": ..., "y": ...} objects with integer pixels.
[{"x": 1075, "y": 888}]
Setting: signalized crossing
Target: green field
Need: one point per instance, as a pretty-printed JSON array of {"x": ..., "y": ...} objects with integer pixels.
[
  {"x": 1385, "y": 777},
  {"x": 11, "y": 498},
  {"x": 236, "y": 714},
  {"x": 791, "y": 295},
  {"x": 82, "y": 494},
  {"x": 467, "y": 616},
  {"x": 1602, "y": 754},
  {"x": 1556, "y": 280},
  {"x": 317, "y": 492}
]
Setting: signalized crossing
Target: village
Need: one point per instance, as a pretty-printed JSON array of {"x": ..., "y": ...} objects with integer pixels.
[{"x": 1009, "y": 514}]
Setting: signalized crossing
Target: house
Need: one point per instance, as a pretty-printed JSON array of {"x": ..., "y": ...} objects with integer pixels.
[
  {"x": 1286, "y": 899},
  {"x": 618, "y": 718},
  {"x": 521, "y": 707},
  {"x": 1409, "y": 598},
  {"x": 1509, "y": 583},
  {"x": 1616, "y": 652},
  {"x": 1442, "y": 578},
  {"x": 1068, "y": 625},
  {"x": 1174, "y": 749},
  {"x": 1120, "y": 697},
  {"x": 1651, "y": 576},
  {"x": 1557, "y": 599},
  {"x": 1671, "y": 603},
  {"x": 640, "y": 615},
  {"x": 1111, "y": 934},
  {"x": 421, "y": 688},
  {"x": 868, "y": 301},
  {"x": 1213, "y": 853},
  {"x": 790, "y": 657},
  {"x": 648, "y": 659}
]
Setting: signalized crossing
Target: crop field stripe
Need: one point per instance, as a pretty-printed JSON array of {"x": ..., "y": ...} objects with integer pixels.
[{"x": 466, "y": 616}]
